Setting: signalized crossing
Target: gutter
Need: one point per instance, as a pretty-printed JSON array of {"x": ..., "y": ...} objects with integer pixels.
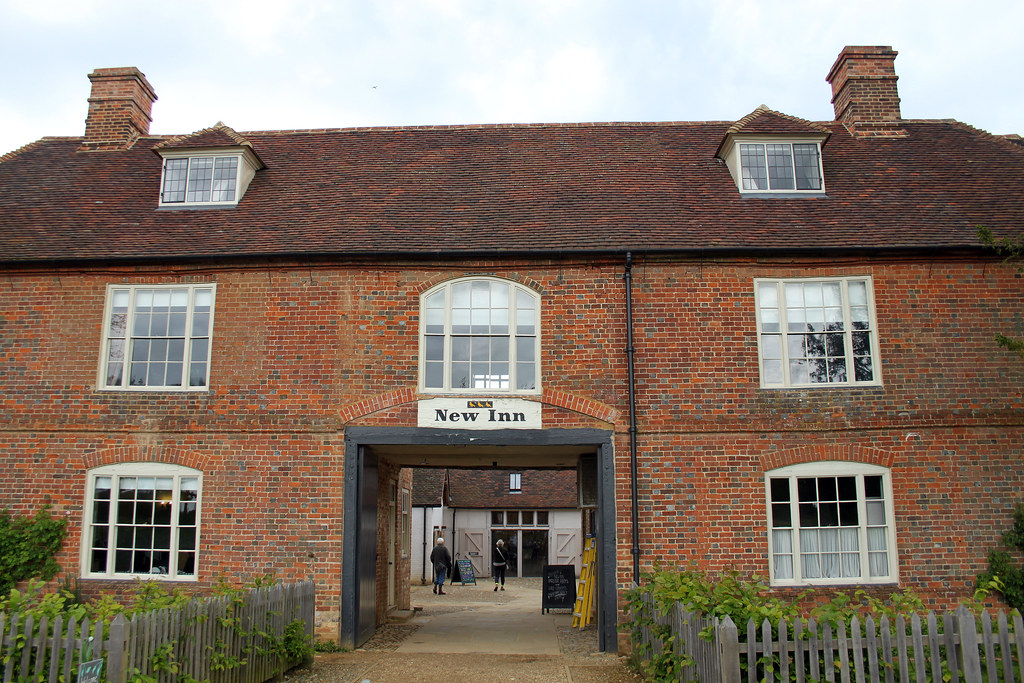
[{"x": 630, "y": 355}]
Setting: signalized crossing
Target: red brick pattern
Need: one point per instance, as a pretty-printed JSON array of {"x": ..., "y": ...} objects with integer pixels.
[{"x": 301, "y": 352}]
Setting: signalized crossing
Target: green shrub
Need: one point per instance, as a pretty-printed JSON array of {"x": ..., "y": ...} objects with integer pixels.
[{"x": 28, "y": 546}]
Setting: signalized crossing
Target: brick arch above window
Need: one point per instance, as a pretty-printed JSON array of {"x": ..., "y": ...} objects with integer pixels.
[
  {"x": 517, "y": 278},
  {"x": 150, "y": 453},
  {"x": 868, "y": 455},
  {"x": 558, "y": 399}
]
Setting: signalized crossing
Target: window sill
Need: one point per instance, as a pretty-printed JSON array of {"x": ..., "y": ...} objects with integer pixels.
[{"x": 783, "y": 195}]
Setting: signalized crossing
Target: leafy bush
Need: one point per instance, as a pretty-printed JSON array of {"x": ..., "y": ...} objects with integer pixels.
[
  {"x": 741, "y": 598},
  {"x": 1002, "y": 568},
  {"x": 28, "y": 546}
]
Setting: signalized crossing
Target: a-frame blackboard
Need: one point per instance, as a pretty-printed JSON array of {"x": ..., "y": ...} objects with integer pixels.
[{"x": 558, "y": 589}]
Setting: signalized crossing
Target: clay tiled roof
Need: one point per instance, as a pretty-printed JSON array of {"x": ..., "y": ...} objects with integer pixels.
[
  {"x": 218, "y": 135},
  {"x": 488, "y": 489},
  {"x": 428, "y": 487},
  {"x": 764, "y": 121},
  {"x": 566, "y": 188}
]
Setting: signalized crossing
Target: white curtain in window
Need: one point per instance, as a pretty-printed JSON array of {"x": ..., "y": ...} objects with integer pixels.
[
  {"x": 829, "y": 540},
  {"x": 850, "y": 539},
  {"x": 782, "y": 545},
  {"x": 809, "y": 559},
  {"x": 877, "y": 552}
]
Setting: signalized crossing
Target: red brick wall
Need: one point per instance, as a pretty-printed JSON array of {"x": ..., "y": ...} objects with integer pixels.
[{"x": 300, "y": 351}]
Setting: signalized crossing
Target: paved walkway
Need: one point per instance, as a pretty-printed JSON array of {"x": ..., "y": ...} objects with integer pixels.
[
  {"x": 510, "y": 624},
  {"x": 474, "y": 634}
]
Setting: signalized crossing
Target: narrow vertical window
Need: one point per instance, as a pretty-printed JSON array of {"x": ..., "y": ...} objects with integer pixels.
[{"x": 515, "y": 482}]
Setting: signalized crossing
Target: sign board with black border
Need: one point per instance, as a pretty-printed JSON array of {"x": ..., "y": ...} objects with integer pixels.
[
  {"x": 464, "y": 572},
  {"x": 558, "y": 589},
  {"x": 89, "y": 672}
]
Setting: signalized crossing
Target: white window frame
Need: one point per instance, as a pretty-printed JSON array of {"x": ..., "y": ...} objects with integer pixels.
[
  {"x": 491, "y": 385},
  {"x": 826, "y": 469},
  {"x": 763, "y": 142},
  {"x": 192, "y": 160},
  {"x": 108, "y": 348},
  {"x": 139, "y": 470},
  {"x": 787, "y": 381},
  {"x": 515, "y": 482}
]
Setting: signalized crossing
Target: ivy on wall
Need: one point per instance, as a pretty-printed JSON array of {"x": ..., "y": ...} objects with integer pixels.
[{"x": 28, "y": 547}]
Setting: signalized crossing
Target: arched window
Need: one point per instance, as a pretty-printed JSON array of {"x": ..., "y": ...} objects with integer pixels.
[
  {"x": 830, "y": 523},
  {"x": 480, "y": 335},
  {"x": 142, "y": 519}
]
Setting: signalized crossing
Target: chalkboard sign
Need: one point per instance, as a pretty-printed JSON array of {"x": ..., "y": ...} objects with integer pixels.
[
  {"x": 559, "y": 587},
  {"x": 464, "y": 572},
  {"x": 89, "y": 672}
]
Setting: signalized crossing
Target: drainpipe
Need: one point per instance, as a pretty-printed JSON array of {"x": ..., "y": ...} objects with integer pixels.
[
  {"x": 630, "y": 353},
  {"x": 423, "y": 560}
]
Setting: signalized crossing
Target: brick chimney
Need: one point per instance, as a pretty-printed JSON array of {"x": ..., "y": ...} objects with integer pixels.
[
  {"x": 864, "y": 93},
  {"x": 119, "y": 108}
]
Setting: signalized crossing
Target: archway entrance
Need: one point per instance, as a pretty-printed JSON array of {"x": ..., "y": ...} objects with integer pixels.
[{"x": 366, "y": 447}]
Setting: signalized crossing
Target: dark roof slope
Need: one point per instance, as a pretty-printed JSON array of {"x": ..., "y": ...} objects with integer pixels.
[
  {"x": 488, "y": 489},
  {"x": 428, "y": 487},
  {"x": 505, "y": 189}
]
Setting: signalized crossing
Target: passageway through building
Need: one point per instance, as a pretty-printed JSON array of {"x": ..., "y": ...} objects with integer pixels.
[{"x": 369, "y": 450}]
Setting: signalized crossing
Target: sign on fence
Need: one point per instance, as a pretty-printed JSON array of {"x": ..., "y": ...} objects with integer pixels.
[{"x": 89, "y": 672}]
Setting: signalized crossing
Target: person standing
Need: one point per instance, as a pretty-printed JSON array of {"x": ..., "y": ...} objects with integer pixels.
[
  {"x": 499, "y": 562},
  {"x": 442, "y": 561}
]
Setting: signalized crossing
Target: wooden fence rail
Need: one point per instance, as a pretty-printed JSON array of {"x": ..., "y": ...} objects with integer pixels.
[
  {"x": 218, "y": 640},
  {"x": 953, "y": 647}
]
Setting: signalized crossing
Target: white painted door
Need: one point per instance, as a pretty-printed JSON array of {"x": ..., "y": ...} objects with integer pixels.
[
  {"x": 473, "y": 548},
  {"x": 566, "y": 547}
]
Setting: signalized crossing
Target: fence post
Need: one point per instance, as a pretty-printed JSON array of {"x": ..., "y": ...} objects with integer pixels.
[
  {"x": 116, "y": 672},
  {"x": 969, "y": 645},
  {"x": 729, "y": 651}
]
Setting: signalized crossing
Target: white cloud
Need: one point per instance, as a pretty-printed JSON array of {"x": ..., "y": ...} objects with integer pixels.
[{"x": 563, "y": 84}]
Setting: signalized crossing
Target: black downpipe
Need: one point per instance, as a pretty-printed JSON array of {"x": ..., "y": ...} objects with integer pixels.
[
  {"x": 423, "y": 579},
  {"x": 630, "y": 352}
]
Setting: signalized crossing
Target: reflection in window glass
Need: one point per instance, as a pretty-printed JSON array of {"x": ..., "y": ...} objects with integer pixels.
[
  {"x": 480, "y": 335},
  {"x": 144, "y": 525},
  {"x": 158, "y": 337},
  {"x": 780, "y": 166},
  {"x": 815, "y": 332},
  {"x": 833, "y": 527}
]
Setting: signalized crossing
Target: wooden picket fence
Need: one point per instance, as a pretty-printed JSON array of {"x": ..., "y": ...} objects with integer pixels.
[
  {"x": 951, "y": 647},
  {"x": 215, "y": 639}
]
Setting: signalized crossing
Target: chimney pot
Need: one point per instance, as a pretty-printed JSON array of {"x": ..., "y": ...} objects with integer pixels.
[{"x": 120, "y": 108}]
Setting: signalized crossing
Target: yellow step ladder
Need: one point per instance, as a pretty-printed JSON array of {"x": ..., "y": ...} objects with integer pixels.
[{"x": 585, "y": 591}]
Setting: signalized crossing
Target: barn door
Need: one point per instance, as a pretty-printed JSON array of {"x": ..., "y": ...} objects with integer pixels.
[
  {"x": 567, "y": 547},
  {"x": 472, "y": 548}
]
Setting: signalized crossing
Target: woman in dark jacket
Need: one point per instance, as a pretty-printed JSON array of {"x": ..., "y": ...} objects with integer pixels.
[
  {"x": 442, "y": 561},
  {"x": 499, "y": 563}
]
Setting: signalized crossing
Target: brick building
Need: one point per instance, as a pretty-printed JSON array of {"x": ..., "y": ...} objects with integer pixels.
[
  {"x": 764, "y": 344},
  {"x": 537, "y": 513}
]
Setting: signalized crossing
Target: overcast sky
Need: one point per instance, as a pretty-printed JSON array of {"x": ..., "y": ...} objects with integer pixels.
[{"x": 276, "y": 64}]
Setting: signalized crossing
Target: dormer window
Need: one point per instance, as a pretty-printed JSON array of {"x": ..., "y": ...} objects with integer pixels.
[
  {"x": 770, "y": 154},
  {"x": 200, "y": 180},
  {"x": 211, "y": 168},
  {"x": 780, "y": 167}
]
